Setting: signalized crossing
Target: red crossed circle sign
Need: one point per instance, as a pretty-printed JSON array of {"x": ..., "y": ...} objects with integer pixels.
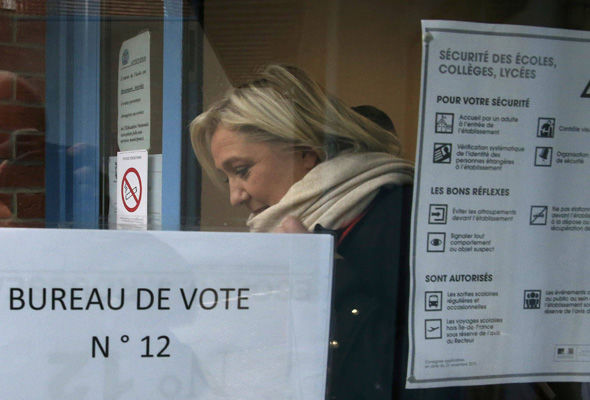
[{"x": 131, "y": 190}]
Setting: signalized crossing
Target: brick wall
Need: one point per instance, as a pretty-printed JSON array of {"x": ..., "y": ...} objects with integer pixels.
[{"x": 22, "y": 114}]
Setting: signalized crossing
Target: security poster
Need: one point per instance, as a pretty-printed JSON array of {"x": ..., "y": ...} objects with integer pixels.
[
  {"x": 500, "y": 289},
  {"x": 91, "y": 315}
]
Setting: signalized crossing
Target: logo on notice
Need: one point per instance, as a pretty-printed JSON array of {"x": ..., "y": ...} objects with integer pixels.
[
  {"x": 565, "y": 353},
  {"x": 433, "y": 301},
  {"x": 125, "y": 57},
  {"x": 538, "y": 215},
  {"x": 437, "y": 214},
  {"x": 532, "y": 299},
  {"x": 131, "y": 190},
  {"x": 546, "y": 127},
  {"x": 543, "y": 156},
  {"x": 433, "y": 329},
  {"x": 444, "y": 122},
  {"x": 436, "y": 242},
  {"x": 442, "y": 153}
]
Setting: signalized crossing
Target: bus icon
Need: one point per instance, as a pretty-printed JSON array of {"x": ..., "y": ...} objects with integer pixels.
[{"x": 433, "y": 301}]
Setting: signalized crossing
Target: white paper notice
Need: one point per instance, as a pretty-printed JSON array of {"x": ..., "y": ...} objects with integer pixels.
[
  {"x": 134, "y": 94},
  {"x": 132, "y": 189},
  {"x": 92, "y": 315},
  {"x": 500, "y": 287},
  {"x": 112, "y": 216},
  {"x": 155, "y": 191}
]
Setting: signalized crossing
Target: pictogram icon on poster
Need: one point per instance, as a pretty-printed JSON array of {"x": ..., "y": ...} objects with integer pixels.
[{"x": 131, "y": 189}]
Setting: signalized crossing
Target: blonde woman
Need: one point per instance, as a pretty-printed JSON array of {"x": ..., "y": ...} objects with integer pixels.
[{"x": 302, "y": 161}]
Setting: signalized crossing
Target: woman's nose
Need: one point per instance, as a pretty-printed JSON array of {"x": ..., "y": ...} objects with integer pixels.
[{"x": 237, "y": 195}]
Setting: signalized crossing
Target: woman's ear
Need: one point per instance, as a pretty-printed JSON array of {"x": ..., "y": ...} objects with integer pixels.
[{"x": 310, "y": 158}]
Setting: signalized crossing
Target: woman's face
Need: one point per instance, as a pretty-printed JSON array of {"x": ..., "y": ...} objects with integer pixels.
[{"x": 259, "y": 174}]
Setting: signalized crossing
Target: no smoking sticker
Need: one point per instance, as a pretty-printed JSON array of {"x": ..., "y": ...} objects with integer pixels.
[{"x": 132, "y": 188}]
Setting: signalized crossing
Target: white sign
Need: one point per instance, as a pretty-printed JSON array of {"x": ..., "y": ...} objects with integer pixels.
[
  {"x": 112, "y": 179},
  {"x": 134, "y": 94},
  {"x": 500, "y": 287},
  {"x": 132, "y": 188},
  {"x": 154, "y": 315},
  {"x": 154, "y": 192}
]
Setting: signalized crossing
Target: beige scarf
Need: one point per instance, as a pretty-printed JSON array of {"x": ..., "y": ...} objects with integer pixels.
[{"x": 334, "y": 192}]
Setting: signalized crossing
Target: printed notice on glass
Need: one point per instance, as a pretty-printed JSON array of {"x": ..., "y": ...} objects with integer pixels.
[
  {"x": 134, "y": 94},
  {"x": 500, "y": 289},
  {"x": 96, "y": 314},
  {"x": 154, "y": 192},
  {"x": 132, "y": 189}
]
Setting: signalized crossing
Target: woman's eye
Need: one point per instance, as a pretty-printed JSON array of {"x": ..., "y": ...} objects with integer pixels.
[{"x": 242, "y": 172}]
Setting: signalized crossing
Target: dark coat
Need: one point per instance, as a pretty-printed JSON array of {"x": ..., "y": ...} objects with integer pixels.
[
  {"x": 369, "y": 327},
  {"x": 369, "y": 313}
]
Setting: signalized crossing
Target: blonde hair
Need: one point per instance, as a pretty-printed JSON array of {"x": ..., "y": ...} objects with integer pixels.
[{"x": 285, "y": 106}]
